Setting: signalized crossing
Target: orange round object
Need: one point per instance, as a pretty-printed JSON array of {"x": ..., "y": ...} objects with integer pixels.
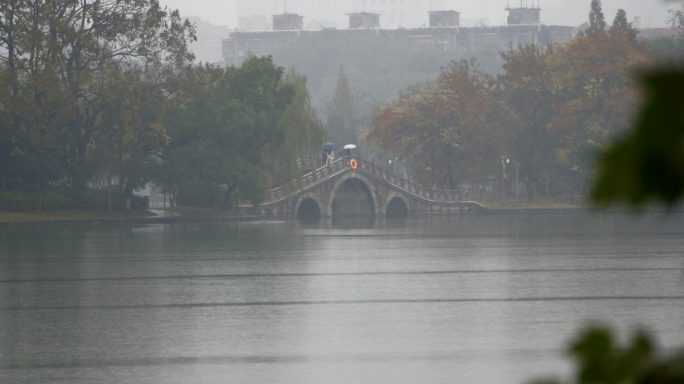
[{"x": 353, "y": 163}]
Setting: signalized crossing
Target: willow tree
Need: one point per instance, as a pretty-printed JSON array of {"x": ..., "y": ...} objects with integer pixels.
[
  {"x": 219, "y": 138},
  {"x": 303, "y": 134}
]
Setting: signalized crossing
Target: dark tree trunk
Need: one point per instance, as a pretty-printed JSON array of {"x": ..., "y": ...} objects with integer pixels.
[
  {"x": 128, "y": 193},
  {"x": 529, "y": 187},
  {"x": 225, "y": 206},
  {"x": 572, "y": 193},
  {"x": 452, "y": 182}
]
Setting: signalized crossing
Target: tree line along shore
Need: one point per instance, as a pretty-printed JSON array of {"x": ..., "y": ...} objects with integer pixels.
[{"x": 100, "y": 99}]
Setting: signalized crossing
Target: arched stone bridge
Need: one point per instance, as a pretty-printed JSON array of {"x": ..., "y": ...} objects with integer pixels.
[{"x": 339, "y": 189}]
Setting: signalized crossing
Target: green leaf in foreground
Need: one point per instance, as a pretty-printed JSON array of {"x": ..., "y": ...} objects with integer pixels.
[
  {"x": 648, "y": 164},
  {"x": 600, "y": 359}
]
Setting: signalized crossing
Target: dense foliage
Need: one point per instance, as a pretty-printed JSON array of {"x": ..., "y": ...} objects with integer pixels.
[
  {"x": 303, "y": 134},
  {"x": 99, "y": 88},
  {"x": 219, "y": 137},
  {"x": 441, "y": 126},
  {"x": 646, "y": 164},
  {"x": 600, "y": 359},
  {"x": 550, "y": 110}
]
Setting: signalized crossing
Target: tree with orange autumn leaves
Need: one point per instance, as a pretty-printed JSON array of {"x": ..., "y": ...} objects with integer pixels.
[
  {"x": 550, "y": 109},
  {"x": 438, "y": 127},
  {"x": 596, "y": 76}
]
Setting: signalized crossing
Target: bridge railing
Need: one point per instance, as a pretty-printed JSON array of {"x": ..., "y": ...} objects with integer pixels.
[
  {"x": 400, "y": 181},
  {"x": 368, "y": 167},
  {"x": 301, "y": 163},
  {"x": 306, "y": 180}
]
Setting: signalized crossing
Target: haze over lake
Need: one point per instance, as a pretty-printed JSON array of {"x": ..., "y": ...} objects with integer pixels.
[{"x": 460, "y": 299}]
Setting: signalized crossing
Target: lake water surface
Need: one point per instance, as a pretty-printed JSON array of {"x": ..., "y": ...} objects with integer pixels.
[{"x": 473, "y": 299}]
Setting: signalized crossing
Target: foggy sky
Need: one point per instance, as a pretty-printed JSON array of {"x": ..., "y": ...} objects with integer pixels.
[{"x": 554, "y": 12}]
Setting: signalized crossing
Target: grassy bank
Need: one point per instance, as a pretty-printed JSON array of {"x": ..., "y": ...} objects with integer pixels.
[
  {"x": 189, "y": 212},
  {"x": 196, "y": 212},
  {"x": 70, "y": 215},
  {"x": 539, "y": 202}
]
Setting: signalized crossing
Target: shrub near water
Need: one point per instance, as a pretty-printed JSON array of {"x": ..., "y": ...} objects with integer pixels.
[
  {"x": 61, "y": 200},
  {"x": 28, "y": 201},
  {"x": 91, "y": 199}
]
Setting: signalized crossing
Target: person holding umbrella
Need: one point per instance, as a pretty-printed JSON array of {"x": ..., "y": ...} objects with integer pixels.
[
  {"x": 328, "y": 153},
  {"x": 346, "y": 150}
]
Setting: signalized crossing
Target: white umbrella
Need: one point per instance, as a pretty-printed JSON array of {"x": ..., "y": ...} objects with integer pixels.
[{"x": 349, "y": 146}]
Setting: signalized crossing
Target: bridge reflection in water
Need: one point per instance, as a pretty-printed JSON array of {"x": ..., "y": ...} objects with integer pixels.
[{"x": 351, "y": 186}]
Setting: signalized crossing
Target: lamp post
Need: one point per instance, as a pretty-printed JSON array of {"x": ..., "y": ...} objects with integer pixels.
[
  {"x": 109, "y": 186},
  {"x": 504, "y": 160},
  {"x": 517, "y": 165}
]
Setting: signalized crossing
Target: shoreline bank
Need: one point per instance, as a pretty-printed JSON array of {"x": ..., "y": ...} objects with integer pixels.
[
  {"x": 180, "y": 219},
  {"x": 126, "y": 220}
]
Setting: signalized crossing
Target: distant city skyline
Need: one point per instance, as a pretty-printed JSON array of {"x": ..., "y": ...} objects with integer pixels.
[{"x": 413, "y": 13}]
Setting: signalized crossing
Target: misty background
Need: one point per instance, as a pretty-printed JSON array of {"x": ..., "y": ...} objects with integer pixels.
[{"x": 377, "y": 71}]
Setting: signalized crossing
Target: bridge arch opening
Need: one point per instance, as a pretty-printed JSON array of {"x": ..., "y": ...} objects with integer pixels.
[
  {"x": 396, "y": 209},
  {"x": 309, "y": 210},
  {"x": 353, "y": 198}
]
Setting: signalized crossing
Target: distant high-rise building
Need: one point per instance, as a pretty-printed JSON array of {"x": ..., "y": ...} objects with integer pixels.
[
  {"x": 327, "y": 13},
  {"x": 364, "y": 20},
  {"x": 523, "y": 15},
  {"x": 288, "y": 22},
  {"x": 393, "y": 13},
  {"x": 463, "y": 39},
  {"x": 444, "y": 19},
  {"x": 401, "y": 13}
]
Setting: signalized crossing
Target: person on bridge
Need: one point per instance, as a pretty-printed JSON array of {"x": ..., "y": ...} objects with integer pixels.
[
  {"x": 346, "y": 150},
  {"x": 328, "y": 153}
]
